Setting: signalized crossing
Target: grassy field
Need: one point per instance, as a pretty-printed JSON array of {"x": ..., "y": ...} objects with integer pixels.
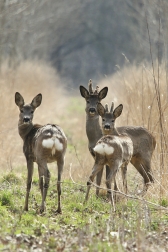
[
  {"x": 92, "y": 227},
  {"x": 139, "y": 224}
]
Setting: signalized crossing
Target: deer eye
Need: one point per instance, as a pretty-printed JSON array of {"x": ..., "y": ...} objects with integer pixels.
[
  {"x": 21, "y": 110},
  {"x": 103, "y": 120},
  {"x": 88, "y": 101},
  {"x": 113, "y": 120},
  {"x": 32, "y": 112}
]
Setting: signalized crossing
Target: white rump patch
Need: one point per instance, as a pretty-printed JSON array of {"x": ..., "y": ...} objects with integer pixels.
[
  {"x": 53, "y": 144},
  {"x": 58, "y": 144},
  {"x": 103, "y": 148},
  {"x": 48, "y": 143}
]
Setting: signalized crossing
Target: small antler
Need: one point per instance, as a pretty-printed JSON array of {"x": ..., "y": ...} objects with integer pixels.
[
  {"x": 112, "y": 107},
  {"x": 96, "y": 90},
  {"x": 90, "y": 87},
  {"x": 106, "y": 107}
]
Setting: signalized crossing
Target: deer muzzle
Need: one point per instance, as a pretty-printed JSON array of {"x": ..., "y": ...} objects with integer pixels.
[
  {"x": 26, "y": 119},
  {"x": 92, "y": 111},
  {"x": 107, "y": 126}
]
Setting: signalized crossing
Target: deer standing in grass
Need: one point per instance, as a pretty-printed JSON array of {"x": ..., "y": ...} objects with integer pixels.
[
  {"x": 113, "y": 149},
  {"x": 143, "y": 141},
  {"x": 93, "y": 129},
  {"x": 41, "y": 144}
]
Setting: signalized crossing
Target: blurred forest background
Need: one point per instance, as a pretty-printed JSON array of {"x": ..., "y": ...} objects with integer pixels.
[{"x": 83, "y": 39}]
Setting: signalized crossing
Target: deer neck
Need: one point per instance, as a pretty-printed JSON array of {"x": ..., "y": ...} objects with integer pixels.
[
  {"x": 113, "y": 131},
  {"x": 24, "y": 129},
  {"x": 93, "y": 129}
]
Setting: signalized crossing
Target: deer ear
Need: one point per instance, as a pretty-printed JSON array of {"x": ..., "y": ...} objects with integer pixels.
[
  {"x": 19, "y": 99},
  {"x": 102, "y": 94},
  {"x": 84, "y": 92},
  {"x": 100, "y": 109},
  {"x": 36, "y": 101},
  {"x": 117, "y": 112}
]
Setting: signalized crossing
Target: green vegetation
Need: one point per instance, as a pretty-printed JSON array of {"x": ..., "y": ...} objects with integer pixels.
[{"x": 90, "y": 227}]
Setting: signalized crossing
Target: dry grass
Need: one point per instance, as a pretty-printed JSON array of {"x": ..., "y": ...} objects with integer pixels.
[{"x": 132, "y": 86}]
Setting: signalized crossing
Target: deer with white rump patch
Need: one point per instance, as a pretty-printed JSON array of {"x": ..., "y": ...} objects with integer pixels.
[
  {"x": 143, "y": 141},
  {"x": 41, "y": 144},
  {"x": 113, "y": 149}
]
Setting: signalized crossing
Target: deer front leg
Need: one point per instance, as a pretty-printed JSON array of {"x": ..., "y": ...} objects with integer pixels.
[{"x": 30, "y": 169}]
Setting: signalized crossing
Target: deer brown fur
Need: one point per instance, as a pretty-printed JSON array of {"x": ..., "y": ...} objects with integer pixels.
[
  {"x": 143, "y": 141},
  {"x": 93, "y": 129},
  {"x": 113, "y": 149},
  {"x": 41, "y": 144}
]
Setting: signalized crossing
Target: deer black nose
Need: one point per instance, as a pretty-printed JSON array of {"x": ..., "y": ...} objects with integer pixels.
[
  {"x": 26, "y": 119},
  {"x": 107, "y": 126},
  {"x": 92, "y": 110}
]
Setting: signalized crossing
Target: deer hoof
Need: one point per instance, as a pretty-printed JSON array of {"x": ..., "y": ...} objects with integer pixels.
[
  {"x": 58, "y": 211},
  {"x": 42, "y": 209}
]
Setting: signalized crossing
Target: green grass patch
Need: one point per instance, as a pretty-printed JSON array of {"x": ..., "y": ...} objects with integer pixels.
[
  {"x": 90, "y": 227},
  {"x": 11, "y": 178}
]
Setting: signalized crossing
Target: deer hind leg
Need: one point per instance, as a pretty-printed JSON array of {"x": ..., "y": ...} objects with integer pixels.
[
  {"x": 44, "y": 180},
  {"x": 109, "y": 188},
  {"x": 95, "y": 170},
  {"x": 124, "y": 176},
  {"x": 112, "y": 174},
  {"x": 40, "y": 181},
  {"x": 60, "y": 164},
  {"x": 98, "y": 181},
  {"x": 143, "y": 166},
  {"x": 30, "y": 169},
  {"x": 148, "y": 177},
  {"x": 124, "y": 179},
  {"x": 99, "y": 174}
]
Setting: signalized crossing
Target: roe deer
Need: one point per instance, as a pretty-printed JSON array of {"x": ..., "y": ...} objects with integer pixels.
[
  {"x": 41, "y": 144},
  {"x": 143, "y": 141},
  {"x": 93, "y": 129},
  {"x": 113, "y": 149}
]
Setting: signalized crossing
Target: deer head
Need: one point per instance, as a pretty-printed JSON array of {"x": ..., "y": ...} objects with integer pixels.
[
  {"x": 27, "y": 110},
  {"x": 109, "y": 117},
  {"x": 92, "y": 97}
]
